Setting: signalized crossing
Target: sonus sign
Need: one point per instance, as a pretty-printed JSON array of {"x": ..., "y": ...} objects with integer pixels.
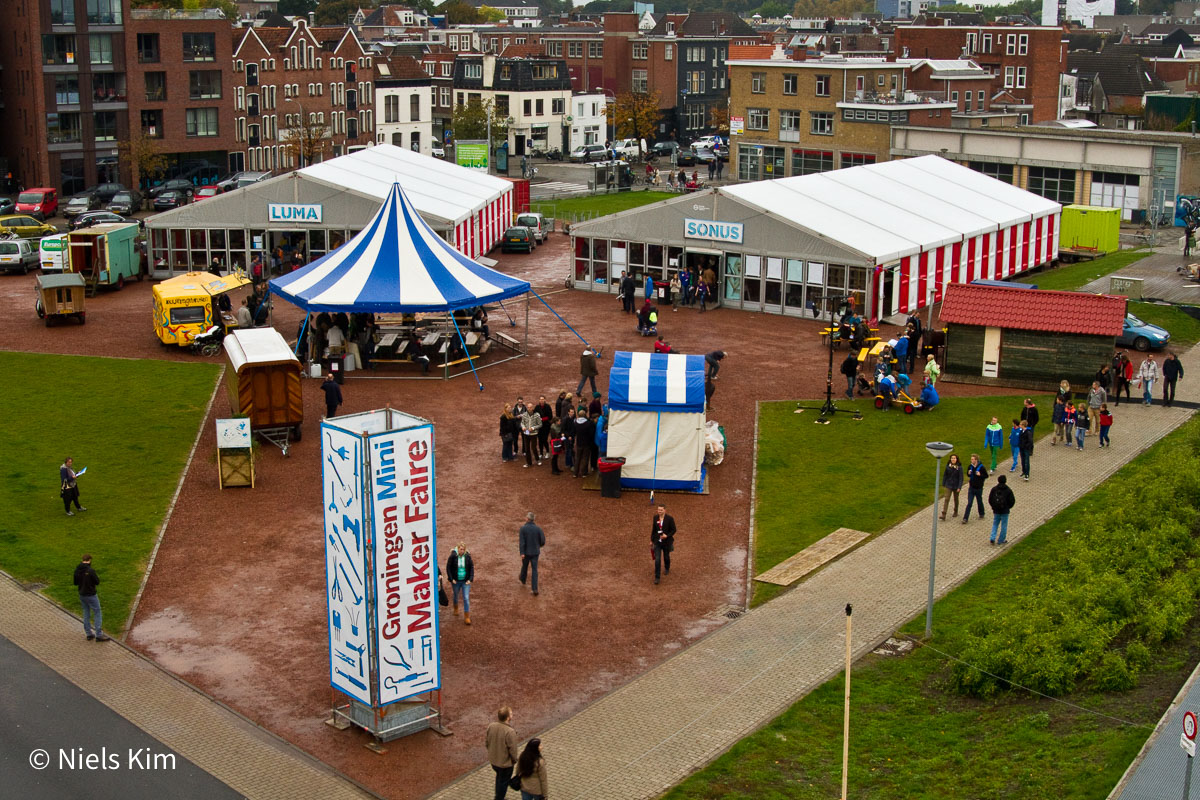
[
  {"x": 713, "y": 230},
  {"x": 293, "y": 212}
]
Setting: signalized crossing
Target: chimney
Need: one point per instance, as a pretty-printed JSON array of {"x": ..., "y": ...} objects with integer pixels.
[{"x": 312, "y": 18}]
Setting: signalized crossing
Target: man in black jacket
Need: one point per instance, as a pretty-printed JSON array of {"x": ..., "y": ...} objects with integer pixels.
[
  {"x": 333, "y": 395},
  {"x": 87, "y": 580},
  {"x": 850, "y": 370},
  {"x": 976, "y": 475},
  {"x": 1172, "y": 371},
  {"x": 531, "y": 542},
  {"x": 1029, "y": 413},
  {"x": 662, "y": 541},
  {"x": 1001, "y": 499},
  {"x": 1025, "y": 445},
  {"x": 628, "y": 290}
]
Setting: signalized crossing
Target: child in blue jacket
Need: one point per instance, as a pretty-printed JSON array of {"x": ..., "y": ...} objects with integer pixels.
[
  {"x": 993, "y": 439},
  {"x": 1014, "y": 436}
]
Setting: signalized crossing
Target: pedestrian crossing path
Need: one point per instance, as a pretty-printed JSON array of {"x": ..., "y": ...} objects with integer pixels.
[{"x": 556, "y": 189}]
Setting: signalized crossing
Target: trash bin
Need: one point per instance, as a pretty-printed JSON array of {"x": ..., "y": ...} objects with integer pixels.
[
  {"x": 337, "y": 366},
  {"x": 662, "y": 290},
  {"x": 610, "y": 476}
]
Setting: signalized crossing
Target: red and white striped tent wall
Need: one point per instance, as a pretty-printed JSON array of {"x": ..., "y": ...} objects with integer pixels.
[
  {"x": 922, "y": 222},
  {"x": 471, "y": 209}
]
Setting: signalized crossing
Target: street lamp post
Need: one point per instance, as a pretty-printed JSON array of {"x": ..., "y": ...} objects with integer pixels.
[{"x": 938, "y": 450}]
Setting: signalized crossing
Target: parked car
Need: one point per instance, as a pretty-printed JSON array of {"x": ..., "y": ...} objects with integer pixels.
[
  {"x": 536, "y": 223},
  {"x": 99, "y": 218},
  {"x": 517, "y": 240},
  {"x": 1141, "y": 335},
  {"x": 172, "y": 198},
  {"x": 126, "y": 201},
  {"x": 664, "y": 149},
  {"x": 628, "y": 149},
  {"x": 7, "y": 206},
  {"x": 40, "y": 203},
  {"x": 205, "y": 192},
  {"x": 247, "y": 178},
  {"x": 26, "y": 226},
  {"x": 106, "y": 191},
  {"x": 438, "y": 150},
  {"x": 683, "y": 156},
  {"x": 588, "y": 152},
  {"x": 703, "y": 155},
  {"x": 79, "y": 204},
  {"x": 173, "y": 185},
  {"x": 18, "y": 255}
]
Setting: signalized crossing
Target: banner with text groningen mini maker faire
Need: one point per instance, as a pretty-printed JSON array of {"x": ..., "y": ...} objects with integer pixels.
[{"x": 404, "y": 558}]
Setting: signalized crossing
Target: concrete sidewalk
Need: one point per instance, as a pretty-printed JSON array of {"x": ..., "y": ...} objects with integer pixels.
[
  {"x": 666, "y": 724},
  {"x": 236, "y": 752}
]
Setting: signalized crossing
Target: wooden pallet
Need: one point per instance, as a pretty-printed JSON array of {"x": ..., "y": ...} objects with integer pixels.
[{"x": 815, "y": 555}]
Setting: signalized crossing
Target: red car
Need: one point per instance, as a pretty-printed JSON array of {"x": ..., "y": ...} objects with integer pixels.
[{"x": 204, "y": 192}]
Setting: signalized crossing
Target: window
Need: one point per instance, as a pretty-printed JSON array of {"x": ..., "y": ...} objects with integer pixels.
[
  {"x": 1023, "y": 44},
  {"x": 104, "y": 12},
  {"x": 199, "y": 46},
  {"x": 1010, "y": 46},
  {"x": 62, "y": 12},
  {"x": 981, "y": 100},
  {"x": 351, "y": 127},
  {"x": 558, "y": 105},
  {"x": 64, "y": 128},
  {"x": 554, "y": 48},
  {"x": 970, "y": 48},
  {"x": 445, "y": 95},
  {"x": 528, "y": 108},
  {"x": 391, "y": 108},
  {"x": 695, "y": 82},
  {"x": 967, "y": 101},
  {"x": 640, "y": 81},
  {"x": 574, "y": 49},
  {"x": 822, "y": 123},
  {"x": 473, "y": 70},
  {"x": 809, "y": 162},
  {"x": 822, "y": 86},
  {"x": 1053, "y": 184},
  {"x": 1021, "y": 77},
  {"x": 856, "y": 159},
  {"x": 152, "y": 124},
  {"x": 668, "y": 52},
  {"x": 447, "y": 67},
  {"x": 789, "y": 126},
  {"x": 252, "y": 74},
  {"x": 694, "y": 118},
  {"x": 758, "y": 119},
  {"x": 987, "y": 43},
  {"x": 640, "y": 51},
  {"x": 758, "y": 82},
  {"x": 204, "y": 85},
  {"x": 543, "y": 72},
  {"x": 66, "y": 90},
  {"x": 156, "y": 86},
  {"x": 414, "y": 107},
  {"x": 1001, "y": 172},
  {"x": 1023, "y": 119},
  {"x": 540, "y": 107},
  {"x": 58, "y": 50},
  {"x": 954, "y": 98},
  {"x": 108, "y": 87},
  {"x": 202, "y": 122},
  {"x": 105, "y": 123},
  {"x": 1009, "y": 77},
  {"x": 860, "y": 83},
  {"x": 789, "y": 83},
  {"x": 100, "y": 48}
]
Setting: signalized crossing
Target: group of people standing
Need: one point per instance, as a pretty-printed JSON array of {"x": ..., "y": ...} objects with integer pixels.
[
  {"x": 1001, "y": 498},
  {"x": 573, "y": 428},
  {"x": 1118, "y": 376}
]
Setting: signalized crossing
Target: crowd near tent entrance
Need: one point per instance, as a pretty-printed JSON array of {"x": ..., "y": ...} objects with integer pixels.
[{"x": 656, "y": 421}]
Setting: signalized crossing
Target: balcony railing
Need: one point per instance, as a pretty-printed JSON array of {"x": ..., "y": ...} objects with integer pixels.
[{"x": 897, "y": 97}]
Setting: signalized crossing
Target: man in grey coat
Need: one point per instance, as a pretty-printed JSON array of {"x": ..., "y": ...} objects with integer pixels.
[{"x": 532, "y": 540}]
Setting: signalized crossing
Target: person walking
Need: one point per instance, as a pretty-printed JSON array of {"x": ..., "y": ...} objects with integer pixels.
[
  {"x": 849, "y": 368},
  {"x": 501, "y": 743},
  {"x": 531, "y": 769},
  {"x": 1096, "y": 398},
  {"x": 1106, "y": 421},
  {"x": 720, "y": 167},
  {"x": 676, "y": 291},
  {"x": 531, "y": 426},
  {"x": 1025, "y": 442},
  {"x": 1124, "y": 376},
  {"x": 1172, "y": 371},
  {"x": 1002, "y": 500},
  {"x": 932, "y": 370},
  {"x": 952, "y": 479},
  {"x": 585, "y": 434},
  {"x": 1147, "y": 375},
  {"x": 993, "y": 440},
  {"x": 333, "y": 395},
  {"x": 713, "y": 360},
  {"x": 977, "y": 475},
  {"x": 531, "y": 540},
  {"x": 628, "y": 290},
  {"x": 509, "y": 427},
  {"x": 70, "y": 486},
  {"x": 543, "y": 410},
  {"x": 1082, "y": 423},
  {"x": 587, "y": 370},
  {"x": 1029, "y": 413},
  {"x": 87, "y": 580},
  {"x": 712, "y": 169},
  {"x": 662, "y": 541},
  {"x": 1014, "y": 443},
  {"x": 1058, "y": 418},
  {"x": 460, "y": 569}
]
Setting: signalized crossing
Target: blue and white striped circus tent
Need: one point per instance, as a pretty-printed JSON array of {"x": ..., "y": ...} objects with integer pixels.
[
  {"x": 397, "y": 263},
  {"x": 656, "y": 419}
]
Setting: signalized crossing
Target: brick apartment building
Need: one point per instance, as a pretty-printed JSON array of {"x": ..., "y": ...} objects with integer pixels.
[
  {"x": 438, "y": 62},
  {"x": 298, "y": 82},
  {"x": 534, "y": 93},
  {"x": 74, "y": 87},
  {"x": 1029, "y": 61},
  {"x": 800, "y": 117}
]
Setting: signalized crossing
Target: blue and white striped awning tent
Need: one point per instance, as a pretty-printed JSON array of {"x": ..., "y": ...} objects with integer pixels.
[
  {"x": 656, "y": 419},
  {"x": 395, "y": 264}
]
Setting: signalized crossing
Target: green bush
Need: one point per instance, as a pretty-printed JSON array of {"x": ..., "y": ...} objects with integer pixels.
[{"x": 1131, "y": 574}]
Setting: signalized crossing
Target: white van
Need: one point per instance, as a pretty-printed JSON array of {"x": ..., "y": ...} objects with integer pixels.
[{"x": 52, "y": 253}]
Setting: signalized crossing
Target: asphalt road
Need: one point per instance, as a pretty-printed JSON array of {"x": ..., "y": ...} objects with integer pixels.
[{"x": 42, "y": 711}]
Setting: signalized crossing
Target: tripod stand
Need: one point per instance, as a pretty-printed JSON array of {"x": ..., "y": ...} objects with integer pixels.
[{"x": 829, "y": 408}]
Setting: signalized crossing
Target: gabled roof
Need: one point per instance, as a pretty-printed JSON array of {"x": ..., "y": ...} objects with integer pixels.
[
  {"x": 704, "y": 23},
  {"x": 1146, "y": 50},
  {"x": 387, "y": 16},
  {"x": 1121, "y": 73},
  {"x": 399, "y": 68},
  {"x": 1034, "y": 310},
  {"x": 523, "y": 51}
]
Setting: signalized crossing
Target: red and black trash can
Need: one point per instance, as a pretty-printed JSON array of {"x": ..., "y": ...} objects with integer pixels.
[{"x": 610, "y": 476}]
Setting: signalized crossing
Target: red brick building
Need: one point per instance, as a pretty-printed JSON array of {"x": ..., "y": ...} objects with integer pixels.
[
  {"x": 298, "y": 82},
  {"x": 1028, "y": 61},
  {"x": 438, "y": 61}
]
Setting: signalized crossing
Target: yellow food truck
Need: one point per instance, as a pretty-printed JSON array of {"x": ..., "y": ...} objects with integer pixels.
[{"x": 185, "y": 306}]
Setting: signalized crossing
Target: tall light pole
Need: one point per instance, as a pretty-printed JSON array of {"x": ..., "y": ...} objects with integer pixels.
[{"x": 938, "y": 450}]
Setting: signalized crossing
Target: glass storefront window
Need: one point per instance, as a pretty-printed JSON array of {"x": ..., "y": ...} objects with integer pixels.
[
  {"x": 793, "y": 296},
  {"x": 583, "y": 251},
  {"x": 654, "y": 255},
  {"x": 637, "y": 253},
  {"x": 216, "y": 239},
  {"x": 198, "y": 239},
  {"x": 733, "y": 276}
]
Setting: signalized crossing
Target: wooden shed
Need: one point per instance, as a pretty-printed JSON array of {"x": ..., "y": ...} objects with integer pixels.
[
  {"x": 264, "y": 380},
  {"x": 1018, "y": 336}
]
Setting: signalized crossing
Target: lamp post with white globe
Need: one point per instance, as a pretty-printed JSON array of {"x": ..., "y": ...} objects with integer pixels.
[{"x": 938, "y": 450}]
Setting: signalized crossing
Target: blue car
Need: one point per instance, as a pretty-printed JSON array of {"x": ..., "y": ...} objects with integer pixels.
[{"x": 1142, "y": 336}]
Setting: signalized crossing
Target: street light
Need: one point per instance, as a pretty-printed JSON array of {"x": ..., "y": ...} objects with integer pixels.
[{"x": 938, "y": 450}]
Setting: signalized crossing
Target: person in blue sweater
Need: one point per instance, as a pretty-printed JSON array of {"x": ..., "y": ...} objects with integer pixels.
[
  {"x": 601, "y": 436},
  {"x": 1014, "y": 443},
  {"x": 993, "y": 439},
  {"x": 900, "y": 351},
  {"x": 929, "y": 397},
  {"x": 649, "y": 288}
]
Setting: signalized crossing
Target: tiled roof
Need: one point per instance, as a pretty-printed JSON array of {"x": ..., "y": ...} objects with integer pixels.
[
  {"x": 524, "y": 51},
  {"x": 402, "y": 68},
  {"x": 704, "y": 23},
  {"x": 741, "y": 51},
  {"x": 1034, "y": 309},
  {"x": 1122, "y": 73}
]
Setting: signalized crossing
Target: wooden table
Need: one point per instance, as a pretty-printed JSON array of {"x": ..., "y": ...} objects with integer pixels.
[{"x": 431, "y": 339}]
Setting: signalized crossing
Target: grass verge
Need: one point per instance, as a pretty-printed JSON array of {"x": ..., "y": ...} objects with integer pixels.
[
  {"x": 132, "y": 424},
  {"x": 914, "y": 738},
  {"x": 1184, "y": 328},
  {"x": 859, "y": 454},
  {"x": 599, "y": 205},
  {"x": 1074, "y": 276}
]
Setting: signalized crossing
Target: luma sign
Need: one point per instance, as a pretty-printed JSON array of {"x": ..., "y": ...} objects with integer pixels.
[
  {"x": 714, "y": 231},
  {"x": 293, "y": 212}
]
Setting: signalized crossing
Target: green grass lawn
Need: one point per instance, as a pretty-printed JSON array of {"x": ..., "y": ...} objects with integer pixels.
[
  {"x": 131, "y": 423},
  {"x": 1070, "y": 277},
  {"x": 870, "y": 453},
  {"x": 599, "y": 205},
  {"x": 1184, "y": 328},
  {"x": 914, "y": 738}
]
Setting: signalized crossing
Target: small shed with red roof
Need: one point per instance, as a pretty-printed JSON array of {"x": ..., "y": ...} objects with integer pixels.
[{"x": 1020, "y": 336}]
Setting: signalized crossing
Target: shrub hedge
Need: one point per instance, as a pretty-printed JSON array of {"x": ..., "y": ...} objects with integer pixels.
[{"x": 1130, "y": 581}]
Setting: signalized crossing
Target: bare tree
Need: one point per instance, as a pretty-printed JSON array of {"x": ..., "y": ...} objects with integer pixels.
[
  {"x": 305, "y": 142},
  {"x": 142, "y": 155}
]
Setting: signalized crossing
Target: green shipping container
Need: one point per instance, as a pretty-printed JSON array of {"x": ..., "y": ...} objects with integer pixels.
[{"x": 1090, "y": 228}]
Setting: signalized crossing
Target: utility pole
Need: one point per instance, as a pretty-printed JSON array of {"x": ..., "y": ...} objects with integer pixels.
[{"x": 846, "y": 715}]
